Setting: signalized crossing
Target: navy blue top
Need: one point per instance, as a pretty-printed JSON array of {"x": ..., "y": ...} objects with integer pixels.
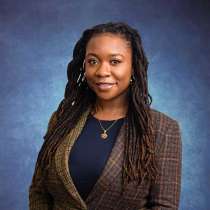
[{"x": 90, "y": 153}]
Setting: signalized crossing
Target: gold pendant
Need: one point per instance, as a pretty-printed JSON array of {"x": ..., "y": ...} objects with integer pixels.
[{"x": 104, "y": 135}]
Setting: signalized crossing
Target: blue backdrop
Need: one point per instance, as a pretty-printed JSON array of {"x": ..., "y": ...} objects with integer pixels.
[{"x": 36, "y": 42}]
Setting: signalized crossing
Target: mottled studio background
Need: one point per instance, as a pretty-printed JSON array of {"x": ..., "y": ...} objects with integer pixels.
[{"x": 36, "y": 42}]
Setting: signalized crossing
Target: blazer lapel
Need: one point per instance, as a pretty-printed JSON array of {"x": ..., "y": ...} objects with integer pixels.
[
  {"x": 111, "y": 170},
  {"x": 61, "y": 160}
]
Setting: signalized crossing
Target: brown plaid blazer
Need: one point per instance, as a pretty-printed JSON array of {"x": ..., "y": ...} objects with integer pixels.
[{"x": 58, "y": 191}]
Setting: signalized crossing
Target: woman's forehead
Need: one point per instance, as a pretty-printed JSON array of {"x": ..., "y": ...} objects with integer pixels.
[{"x": 112, "y": 44}]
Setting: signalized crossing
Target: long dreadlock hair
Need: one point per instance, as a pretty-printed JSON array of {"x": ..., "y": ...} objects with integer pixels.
[{"x": 139, "y": 153}]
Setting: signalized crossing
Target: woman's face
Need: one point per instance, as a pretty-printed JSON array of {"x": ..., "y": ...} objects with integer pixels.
[{"x": 108, "y": 66}]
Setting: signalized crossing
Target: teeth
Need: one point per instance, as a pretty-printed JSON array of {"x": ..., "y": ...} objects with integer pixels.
[{"x": 105, "y": 86}]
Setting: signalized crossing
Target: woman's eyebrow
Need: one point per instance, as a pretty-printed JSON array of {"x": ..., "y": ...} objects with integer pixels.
[
  {"x": 111, "y": 55},
  {"x": 93, "y": 54}
]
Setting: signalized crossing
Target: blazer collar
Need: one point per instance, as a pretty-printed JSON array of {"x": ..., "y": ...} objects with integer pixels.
[{"x": 113, "y": 164}]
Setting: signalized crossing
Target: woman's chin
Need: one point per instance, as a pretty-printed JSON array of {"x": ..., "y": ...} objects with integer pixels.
[{"x": 104, "y": 97}]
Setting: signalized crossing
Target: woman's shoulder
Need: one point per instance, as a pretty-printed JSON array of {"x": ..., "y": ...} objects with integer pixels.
[{"x": 162, "y": 121}]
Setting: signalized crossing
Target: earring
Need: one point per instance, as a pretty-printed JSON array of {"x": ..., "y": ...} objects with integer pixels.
[{"x": 132, "y": 79}]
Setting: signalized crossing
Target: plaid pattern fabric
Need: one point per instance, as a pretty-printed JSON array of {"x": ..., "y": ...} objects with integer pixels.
[{"x": 58, "y": 191}]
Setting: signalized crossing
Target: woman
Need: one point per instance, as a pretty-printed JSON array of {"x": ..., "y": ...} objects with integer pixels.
[{"x": 105, "y": 147}]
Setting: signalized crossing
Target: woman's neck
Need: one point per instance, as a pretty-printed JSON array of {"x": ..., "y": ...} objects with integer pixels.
[{"x": 110, "y": 110}]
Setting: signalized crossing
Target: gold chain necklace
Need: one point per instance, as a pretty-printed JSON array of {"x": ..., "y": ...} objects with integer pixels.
[{"x": 104, "y": 135}]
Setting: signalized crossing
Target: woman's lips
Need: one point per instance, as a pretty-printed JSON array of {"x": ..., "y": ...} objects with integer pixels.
[{"x": 105, "y": 86}]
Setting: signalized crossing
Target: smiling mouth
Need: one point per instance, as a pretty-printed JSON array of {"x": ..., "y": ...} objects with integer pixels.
[{"x": 105, "y": 86}]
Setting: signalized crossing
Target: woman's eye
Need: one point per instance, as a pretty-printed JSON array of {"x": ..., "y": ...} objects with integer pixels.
[
  {"x": 115, "y": 61},
  {"x": 92, "y": 61}
]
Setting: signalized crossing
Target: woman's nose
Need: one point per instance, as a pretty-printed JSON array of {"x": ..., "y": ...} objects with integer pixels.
[{"x": 103, "y": 70}]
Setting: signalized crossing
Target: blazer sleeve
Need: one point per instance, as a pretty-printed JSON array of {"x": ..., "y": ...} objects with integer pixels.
[
  {"x": 39, "y": 198},
  {"x": 165, "y": 193}
]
